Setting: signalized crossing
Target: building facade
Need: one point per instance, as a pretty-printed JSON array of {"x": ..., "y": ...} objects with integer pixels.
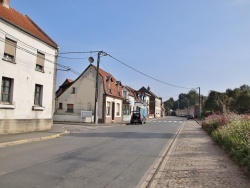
[
  {"x": 27, "y": 73},
  {"x": 155, "y": 103},
  {"x": 79, "y": 97}
]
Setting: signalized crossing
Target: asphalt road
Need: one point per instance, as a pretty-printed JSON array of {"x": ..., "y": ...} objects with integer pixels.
[{"x": 118, "y": 156}]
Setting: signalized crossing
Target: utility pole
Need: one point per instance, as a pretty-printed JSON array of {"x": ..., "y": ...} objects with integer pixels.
[
  {"x": 96, "y": 88},
  {"x": 199, "y": 102}
]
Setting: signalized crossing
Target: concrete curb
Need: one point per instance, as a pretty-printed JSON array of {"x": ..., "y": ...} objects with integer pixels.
[{"x": 13, "y": 143}]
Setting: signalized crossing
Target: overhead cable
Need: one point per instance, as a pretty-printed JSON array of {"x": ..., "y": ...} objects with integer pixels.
[{"x": 148, "y": 75}]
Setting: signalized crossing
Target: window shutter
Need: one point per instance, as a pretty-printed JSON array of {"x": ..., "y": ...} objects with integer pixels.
[
  {"x": 40, "y": 59},
  {"x": 10, "y": 47}
]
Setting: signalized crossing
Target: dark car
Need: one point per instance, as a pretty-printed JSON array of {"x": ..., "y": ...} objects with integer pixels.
[
  {"x": 190, "y": 116},
  {"x": 137, "y": 117},
  {"x": 183, "y": 115}
]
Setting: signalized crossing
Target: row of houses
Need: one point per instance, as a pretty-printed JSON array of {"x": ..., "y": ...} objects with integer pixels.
[
  {"x": 116, "y": 101},
  {"x": 28, "y": 101}
]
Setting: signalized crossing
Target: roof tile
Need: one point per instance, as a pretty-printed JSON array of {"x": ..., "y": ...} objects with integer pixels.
[{"x": 23, "y": 22}]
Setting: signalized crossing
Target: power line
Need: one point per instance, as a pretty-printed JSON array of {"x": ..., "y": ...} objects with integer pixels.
[
  {"x": 45, "y": 59},
  {"x": 89, "y": 52},
  {"x": 25, "y": 44},
  {"x": 74, "y": 71},
  {"x": 73, "y": 58},
  {"x": 147, "y": 75}
]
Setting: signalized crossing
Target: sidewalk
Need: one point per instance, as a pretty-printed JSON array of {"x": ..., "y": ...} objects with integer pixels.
[
  {"x": 195, "y": 160},
  {"x": 58, "y": 129},
  {"x": 21, "y": 138}
]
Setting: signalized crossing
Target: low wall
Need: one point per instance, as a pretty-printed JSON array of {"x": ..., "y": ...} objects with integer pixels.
[
  {"x": 72, "y": 118},
  {"x": 10, "y": 126},
  {"x": 126, "y": 118},
  {"x": 116, "y": 120}
]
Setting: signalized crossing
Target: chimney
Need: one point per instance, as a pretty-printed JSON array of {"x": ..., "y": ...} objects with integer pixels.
[
  {"x": 148, "y": 88},
  {"x": 5, "y": 3}
]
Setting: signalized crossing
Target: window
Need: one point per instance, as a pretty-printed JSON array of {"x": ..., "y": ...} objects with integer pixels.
[
  {"x": 125, "y": 94},
  {"x": 126, "y": 109},
  {"x": 108, "y": 108},
  {"x": 70, "y": 108},
  {"x": 9, "y": 50},
  {"x": 73, "y": 90},
  {"x": 6, "y": 90},
  {"x": 118, "y": 109},
  {"x": 40, "y": 62},
  {"x": 38, "y": 95},
  {"x": 60, "y": 105}
]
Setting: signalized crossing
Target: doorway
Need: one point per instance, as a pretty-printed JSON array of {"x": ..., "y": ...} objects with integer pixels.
[{"x": 113, "y": 111}]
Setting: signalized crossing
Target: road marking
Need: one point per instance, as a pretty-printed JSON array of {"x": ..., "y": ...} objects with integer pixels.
[{"x": 166, "y": 121}]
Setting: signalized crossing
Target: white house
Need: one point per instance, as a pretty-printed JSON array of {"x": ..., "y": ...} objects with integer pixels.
[
  {"x": 75, "y": 98},
  {"x": 27, "y": 73},
  {"x": 128, "y": 104},
  {"x": 155, "y": 102}
]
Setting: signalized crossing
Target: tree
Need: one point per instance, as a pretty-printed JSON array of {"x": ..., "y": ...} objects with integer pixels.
[
  {"x": 236, "y": 100},
  {"x": 212, "y": 104},
  {"x": 168, "y": 105}
]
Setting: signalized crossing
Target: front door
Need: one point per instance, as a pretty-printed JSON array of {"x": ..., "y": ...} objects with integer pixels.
[{"x": 113, "y": 111}]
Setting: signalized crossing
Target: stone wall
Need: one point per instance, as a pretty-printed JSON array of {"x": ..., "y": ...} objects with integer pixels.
[{"x": 10, "y": 126}]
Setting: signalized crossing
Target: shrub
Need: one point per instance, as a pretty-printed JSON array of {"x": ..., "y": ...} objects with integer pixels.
[
  {"x": 212, "y": 122},
  {"x": 232, "y": 132}
]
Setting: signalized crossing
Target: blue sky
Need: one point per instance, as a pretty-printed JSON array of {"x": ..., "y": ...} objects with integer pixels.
[{"x": 187, "y": 43}]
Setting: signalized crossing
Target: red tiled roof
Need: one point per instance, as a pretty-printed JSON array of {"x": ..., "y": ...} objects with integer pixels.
[
  {"x": 23, "y": 22},
  {"x": 132, "y": 92},
  {"x": 69, "y": 80},
  {"x": 66, "y": 84},
  {"x": 111, "y": 84}
]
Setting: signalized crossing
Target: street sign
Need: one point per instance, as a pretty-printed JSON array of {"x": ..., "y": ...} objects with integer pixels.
[{"x": 86, "y": 113}]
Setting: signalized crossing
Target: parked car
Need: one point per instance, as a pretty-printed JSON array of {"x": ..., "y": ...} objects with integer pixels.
[
  {"x": 137, "y": 117},
  {"x": 190, "y": 116},
  {"x": 183, "y": 115}
]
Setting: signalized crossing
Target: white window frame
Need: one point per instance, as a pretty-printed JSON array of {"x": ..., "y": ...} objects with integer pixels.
[
  {"x": 108, "y": 108},
  {"x": 118, "y": 109},
  {"x": 38, "y": 95},
  {"x": 3, "y": 90}
]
